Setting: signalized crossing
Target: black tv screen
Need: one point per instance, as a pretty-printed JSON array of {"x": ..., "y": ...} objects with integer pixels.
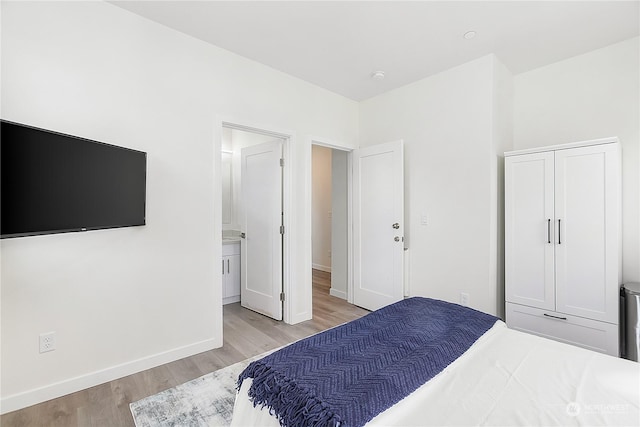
[{"x": 56, "y": 183}]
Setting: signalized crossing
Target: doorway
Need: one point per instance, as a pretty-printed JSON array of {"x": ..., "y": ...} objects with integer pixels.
[
  {"x": 253, "y": 213},
  {"x": 330, "y": 219}
]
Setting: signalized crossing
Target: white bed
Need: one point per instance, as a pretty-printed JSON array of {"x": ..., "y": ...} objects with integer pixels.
[{"x": 508, "y": 378}]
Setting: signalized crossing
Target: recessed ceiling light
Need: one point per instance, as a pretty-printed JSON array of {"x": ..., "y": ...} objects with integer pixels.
[
  {"x": 469, "y": 35},
  {"x": 377, "y": 75}
]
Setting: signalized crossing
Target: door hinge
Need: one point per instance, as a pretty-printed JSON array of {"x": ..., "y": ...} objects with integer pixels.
[
  {"x": 281, "y": 296},
  {"x": 282, "y": 229},
  {"x": 282, "y": 162}
]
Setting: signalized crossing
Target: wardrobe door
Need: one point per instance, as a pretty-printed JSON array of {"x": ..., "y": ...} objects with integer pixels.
[
  {"x": 586, "y": 221},
  {"x": 529, "y": 247}
]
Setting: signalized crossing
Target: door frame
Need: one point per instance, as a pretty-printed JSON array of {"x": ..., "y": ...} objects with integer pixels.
[
  {"x": 323, "y": 142},
  {"x": 288, "y": 138}
]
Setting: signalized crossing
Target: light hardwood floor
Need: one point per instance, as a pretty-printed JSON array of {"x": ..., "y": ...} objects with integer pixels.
[{"x": 246, "y": 334}]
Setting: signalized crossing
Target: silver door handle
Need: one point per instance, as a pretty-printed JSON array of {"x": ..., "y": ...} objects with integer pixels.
[
  {"x": 397, "y": 239},
  {"x": 559, "y": 240},
  {"x": 243, "y": 236},
  {"x": 396, "y": 226},
  {"x": 223, "y": 267},
  {"x": 549, "y": 230},
  {"x": 227, "y": 265}
]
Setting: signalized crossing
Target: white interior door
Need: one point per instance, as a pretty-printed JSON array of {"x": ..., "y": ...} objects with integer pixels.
[
  {"x": 378, "y": 223},
  {"x": 261, "y": 249}
]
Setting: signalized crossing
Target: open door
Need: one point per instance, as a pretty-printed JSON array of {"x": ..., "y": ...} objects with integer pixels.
[
  {"x": 378, "y": 209},
  {"x": 261, "y": 249}
]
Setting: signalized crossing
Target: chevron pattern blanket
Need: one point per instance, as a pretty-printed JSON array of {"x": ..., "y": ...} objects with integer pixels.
[{"x": 347, "y": 375}]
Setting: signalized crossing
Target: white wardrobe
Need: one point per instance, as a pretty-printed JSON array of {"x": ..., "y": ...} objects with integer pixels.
[{"x": 562, "y": 242}]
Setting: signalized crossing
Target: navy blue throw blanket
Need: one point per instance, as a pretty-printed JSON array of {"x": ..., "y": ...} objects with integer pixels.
[{"x": 347, "y": 375}]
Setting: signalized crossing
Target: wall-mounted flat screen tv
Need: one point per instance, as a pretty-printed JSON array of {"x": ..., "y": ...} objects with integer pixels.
[{"x": 56, "y": 183}]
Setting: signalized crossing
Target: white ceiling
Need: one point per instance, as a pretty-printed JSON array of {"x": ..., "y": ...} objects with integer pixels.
[{"x": 338, "y": 45}]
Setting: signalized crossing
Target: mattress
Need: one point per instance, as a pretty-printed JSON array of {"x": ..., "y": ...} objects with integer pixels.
[{"x": 508, "y": 377}]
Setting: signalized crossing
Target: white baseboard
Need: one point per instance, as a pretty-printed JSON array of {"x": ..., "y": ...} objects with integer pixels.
[
  {"x": 62, "y": 388},
  {"x": 339, "y": 294},
  {"x": 321, "y": 267},
  {"x": 230, "y": 300}
]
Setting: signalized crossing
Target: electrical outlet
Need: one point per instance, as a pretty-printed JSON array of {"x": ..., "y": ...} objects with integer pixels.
[
  {"x": 47, "y": 342},
  {"x": 464, "y": 299}
]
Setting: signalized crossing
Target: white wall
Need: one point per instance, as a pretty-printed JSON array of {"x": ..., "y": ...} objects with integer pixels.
[
  {"x": 321, "y": 207},
  {"x": 447, "y": 123},
  {"x": 502, "y": 137},
  {"x": 127, "y": 299},
  {"x": 590, "y": 96},
  {"x": 339, "y": 223},
  {"x": 228, "y": 202}
]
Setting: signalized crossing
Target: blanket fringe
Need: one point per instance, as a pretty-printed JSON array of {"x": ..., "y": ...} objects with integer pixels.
[{"x": 292, "y": 404}]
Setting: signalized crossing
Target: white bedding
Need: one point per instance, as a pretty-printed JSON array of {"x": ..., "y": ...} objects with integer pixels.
[{"x": 508, "y": 378}]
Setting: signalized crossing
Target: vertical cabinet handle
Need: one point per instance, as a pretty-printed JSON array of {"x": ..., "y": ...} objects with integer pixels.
[
  {"x": 549, "y": 230},
  {"x": 223, "y": 267},
  {"x": 227, "y": 265},
  {"x": 559, "y": 239}
]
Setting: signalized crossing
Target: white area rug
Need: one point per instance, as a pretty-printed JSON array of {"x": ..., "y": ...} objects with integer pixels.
[{"x": 205, "y": 401}]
